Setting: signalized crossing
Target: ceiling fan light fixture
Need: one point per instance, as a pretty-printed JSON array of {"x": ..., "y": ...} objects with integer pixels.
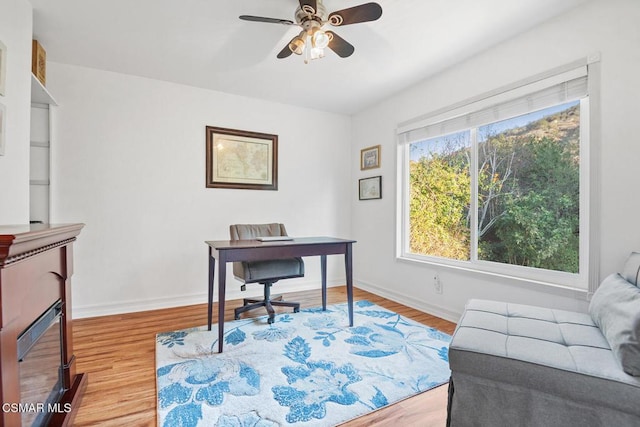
[
  {"x": 320, "y": 39},
  {"x": 313, "y": 53},
  {"x": 297, "y": 45},
  {"x": 317, "y": 53}
]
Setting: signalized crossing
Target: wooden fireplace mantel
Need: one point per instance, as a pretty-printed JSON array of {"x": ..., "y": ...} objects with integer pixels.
[{"x": 36, "y": 265}]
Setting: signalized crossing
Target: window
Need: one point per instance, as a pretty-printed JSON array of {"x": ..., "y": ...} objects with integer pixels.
[{"x": 501, "y": 185}]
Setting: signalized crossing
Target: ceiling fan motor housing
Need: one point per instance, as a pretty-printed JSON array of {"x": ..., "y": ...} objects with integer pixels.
[{"x": 307, "y": 19}]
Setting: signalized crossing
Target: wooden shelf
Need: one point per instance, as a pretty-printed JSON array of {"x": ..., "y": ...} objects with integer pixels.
[{"x": 39, "y": 93}]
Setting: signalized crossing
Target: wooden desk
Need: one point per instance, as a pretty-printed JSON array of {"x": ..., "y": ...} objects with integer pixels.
[{"x": 253, "y": 250}]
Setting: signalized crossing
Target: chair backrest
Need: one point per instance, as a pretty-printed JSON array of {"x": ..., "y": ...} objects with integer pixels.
[
  {"x": 251, "y": 231},
  {"x": 256, "y": 271}
]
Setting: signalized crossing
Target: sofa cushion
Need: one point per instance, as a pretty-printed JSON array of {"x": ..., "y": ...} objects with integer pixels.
[
  {"x": 615, "y": 308},
  {"x": 631, "y": 270}
]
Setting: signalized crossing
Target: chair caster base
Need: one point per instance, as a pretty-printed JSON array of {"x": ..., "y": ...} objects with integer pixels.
[{"x": 268, "y": 302}]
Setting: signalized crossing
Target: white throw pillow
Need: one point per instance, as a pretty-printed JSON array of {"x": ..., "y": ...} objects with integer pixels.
[{"x": 615, "y": 308}]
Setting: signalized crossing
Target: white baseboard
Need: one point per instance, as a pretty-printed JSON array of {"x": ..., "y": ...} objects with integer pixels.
[
  {"x": 134, "y": 306},
  {"x": 122, "y": 307},
  {"x": 443, "y": 313}
]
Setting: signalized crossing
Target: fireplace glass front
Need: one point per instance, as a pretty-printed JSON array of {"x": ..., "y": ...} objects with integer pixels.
[{"x": 40, "y": 364}]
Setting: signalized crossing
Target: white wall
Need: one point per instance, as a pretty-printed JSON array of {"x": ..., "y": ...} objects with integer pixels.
[
  {"x": 128, "y": 158},
  {"x": 15, "y": 32},
  {"x": 608, "y": 27}
]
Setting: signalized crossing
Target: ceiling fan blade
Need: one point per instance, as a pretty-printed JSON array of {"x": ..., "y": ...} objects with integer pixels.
[
  {"x": 353, "y": 15},
  {"x": 313, "y": 4},
  {"x": 339, "y": 45},
  {"x": 286, "y": 52},
  {"x": 267, "y": 20}
]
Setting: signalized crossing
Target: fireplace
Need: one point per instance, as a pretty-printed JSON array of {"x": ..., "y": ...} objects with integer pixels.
[
  {"x": 40, "y": 367},
  {"x": 38, "y": 381}
]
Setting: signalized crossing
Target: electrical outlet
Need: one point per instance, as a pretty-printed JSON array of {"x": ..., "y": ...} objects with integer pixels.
[{"x": 437, "y": 284}]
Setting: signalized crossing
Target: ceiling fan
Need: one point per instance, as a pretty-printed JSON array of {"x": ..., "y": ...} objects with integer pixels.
[{"x": 312, "y": 16}]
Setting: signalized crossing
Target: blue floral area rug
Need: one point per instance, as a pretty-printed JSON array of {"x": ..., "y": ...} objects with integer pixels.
[{"x": 306, "y": 369}]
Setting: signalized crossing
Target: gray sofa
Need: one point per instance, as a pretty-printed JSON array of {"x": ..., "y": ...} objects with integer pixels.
[{"x": 519, "y": 365}]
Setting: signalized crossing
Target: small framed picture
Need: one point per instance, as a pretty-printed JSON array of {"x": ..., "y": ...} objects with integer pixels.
[
  {"x": 370, "y": 188},
  {"x": 370, "y": 158},
  {"x": 3, "y": 67}
]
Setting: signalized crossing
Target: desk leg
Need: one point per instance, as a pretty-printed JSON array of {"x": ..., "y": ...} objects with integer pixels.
[
  {"x": 348, "y": 266},
  {"x": 222, "y": 279},
  {"x": 323, "y": 266},
  {"x": 212, "y": 270}
]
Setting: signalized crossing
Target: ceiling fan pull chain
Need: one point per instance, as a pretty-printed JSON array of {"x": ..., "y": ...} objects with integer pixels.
[{"x": 307, "y": 51}]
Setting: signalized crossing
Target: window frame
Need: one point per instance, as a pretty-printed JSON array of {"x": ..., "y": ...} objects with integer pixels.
[{"x": 587, "y": 277}]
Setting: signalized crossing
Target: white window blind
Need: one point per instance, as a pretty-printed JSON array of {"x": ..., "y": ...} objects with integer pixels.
[{"x": 560, "y": 88}]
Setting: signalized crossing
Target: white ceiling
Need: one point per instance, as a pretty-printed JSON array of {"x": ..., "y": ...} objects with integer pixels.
[{"x": 202, "y": 43}]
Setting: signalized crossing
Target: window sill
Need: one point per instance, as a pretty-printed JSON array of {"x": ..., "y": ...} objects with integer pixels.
[{"x": 528, "y": 283}]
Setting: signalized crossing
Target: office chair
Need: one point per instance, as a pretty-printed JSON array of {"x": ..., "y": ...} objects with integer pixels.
[{"x": 264, "y": 272}]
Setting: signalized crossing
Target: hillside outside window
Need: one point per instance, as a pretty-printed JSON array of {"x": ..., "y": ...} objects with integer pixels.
[{"x": 501, "y": 185}]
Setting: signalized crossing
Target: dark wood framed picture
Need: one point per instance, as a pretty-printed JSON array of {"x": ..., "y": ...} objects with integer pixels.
[
  {"x": 370, "y": 188},
  {"x": 241, "y": 159}
]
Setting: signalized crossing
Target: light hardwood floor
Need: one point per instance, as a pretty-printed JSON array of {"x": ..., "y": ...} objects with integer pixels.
[{"x": 118, "y": 353}]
